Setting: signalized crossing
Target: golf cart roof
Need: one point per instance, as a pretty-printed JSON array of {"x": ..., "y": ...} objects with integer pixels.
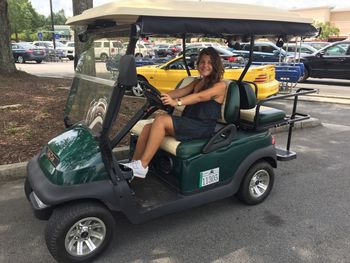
[{"x": 214, "y": 19}]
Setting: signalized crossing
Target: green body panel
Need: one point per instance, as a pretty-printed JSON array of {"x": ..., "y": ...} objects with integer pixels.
[
  {"x": 186, "y": 171},
  {"x": 78, "y": 158}
]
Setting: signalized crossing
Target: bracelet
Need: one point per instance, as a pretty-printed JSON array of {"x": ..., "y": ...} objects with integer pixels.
[{"x": 178, "y": 102}]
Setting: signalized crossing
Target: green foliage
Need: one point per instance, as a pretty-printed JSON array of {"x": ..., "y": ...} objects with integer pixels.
[
  {"x": 327, "y": 30},
  {"x": 26, "y": 22}
]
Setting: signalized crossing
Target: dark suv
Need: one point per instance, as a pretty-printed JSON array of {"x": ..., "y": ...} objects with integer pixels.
[{"x": 332, "y": 61}]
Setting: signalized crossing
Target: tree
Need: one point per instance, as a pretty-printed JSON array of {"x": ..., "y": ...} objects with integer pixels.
[
  {"x": 78, "y": 7},
  {"x": 7, "y": 62},
  {"x": 327, "y": 30}
]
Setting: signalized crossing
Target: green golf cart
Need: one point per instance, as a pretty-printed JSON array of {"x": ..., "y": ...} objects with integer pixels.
[{"x": 78, "y": 184}]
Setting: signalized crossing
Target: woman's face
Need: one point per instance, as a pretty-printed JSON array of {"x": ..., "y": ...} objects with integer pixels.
[{"x": 204, "y": 66}]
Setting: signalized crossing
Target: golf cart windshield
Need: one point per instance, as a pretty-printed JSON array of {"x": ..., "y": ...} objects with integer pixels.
[{"x": 92, "y": 85}]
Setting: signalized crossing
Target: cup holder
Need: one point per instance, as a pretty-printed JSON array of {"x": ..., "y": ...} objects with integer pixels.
[{"x": 126, "y": 172}]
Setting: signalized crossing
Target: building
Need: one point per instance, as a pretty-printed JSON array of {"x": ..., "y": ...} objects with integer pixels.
[{"x": 339, "y": 17}]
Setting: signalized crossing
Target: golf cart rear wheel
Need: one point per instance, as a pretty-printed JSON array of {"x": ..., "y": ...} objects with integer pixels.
[
  {"x": 257, "y": 183},
  {"x": 79, "y": 232}
]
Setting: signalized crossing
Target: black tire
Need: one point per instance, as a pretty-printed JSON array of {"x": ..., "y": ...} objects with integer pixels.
[
  {"x": 103, "y": 56},
  {"x": 138, "y": 55},
  {"x": 27, "y": 188},
  {"x": 21, "y": 60},
  {"x": 305, "y": 76},
  {"x": 137, "y": 90},
  {"x": 264, "y": 174},
  {"x": 38, "y": 61},
  {"x": 61, "y": 223}
]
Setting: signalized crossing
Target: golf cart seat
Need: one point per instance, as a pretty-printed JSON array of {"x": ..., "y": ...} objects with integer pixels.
[
  {"x": 253, "y": 116},
  {"x": 226, "y": 126}
]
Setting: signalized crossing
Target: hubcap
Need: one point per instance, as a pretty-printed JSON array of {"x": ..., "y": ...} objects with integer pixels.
[
  {"x": 85, "y": 236},
  {"x": 137, "y": 90},
  {"x": 259, "y": 183},
  {"x": 20, "y": 59}
]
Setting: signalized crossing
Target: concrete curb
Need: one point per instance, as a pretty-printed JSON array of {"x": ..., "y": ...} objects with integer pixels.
[{"x": 10, "y": 172}]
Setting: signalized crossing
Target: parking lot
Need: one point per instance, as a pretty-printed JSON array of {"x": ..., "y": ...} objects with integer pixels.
[{"x": 305, "y": 219}]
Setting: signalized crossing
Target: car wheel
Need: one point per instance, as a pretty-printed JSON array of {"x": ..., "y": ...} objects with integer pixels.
[
  {"x": 305, "y": 76},
  {"x": 27, "y": 188},
  {"x": 257, "y": 183},
  {"x": 71, "y": 58},
  {"x": 138, "y": 55},
  {"x": 20, "y": 59},
  {"x": 103, "y": 56},
  {"x": 79, "y": 232},
  {"x": 38, "y": 61},
  {"x": 137, "y": 90}
]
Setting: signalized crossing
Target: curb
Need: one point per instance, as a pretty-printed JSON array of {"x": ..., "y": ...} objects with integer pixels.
[{"x": 10, "y": 172}]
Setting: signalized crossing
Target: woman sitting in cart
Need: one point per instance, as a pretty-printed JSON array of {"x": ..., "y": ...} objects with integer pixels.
[{"x": 203, "y": 99}]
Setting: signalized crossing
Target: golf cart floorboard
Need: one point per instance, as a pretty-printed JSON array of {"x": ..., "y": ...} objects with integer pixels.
[{"x": 153, "y": 192}]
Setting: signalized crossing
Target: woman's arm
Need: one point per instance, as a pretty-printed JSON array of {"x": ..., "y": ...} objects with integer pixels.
[
  {"x": 179, "y": 93},
  {"x": 216, "y": 92}
]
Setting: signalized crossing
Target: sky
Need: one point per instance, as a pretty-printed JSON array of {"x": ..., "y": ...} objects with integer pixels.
[{"x": 43, "y": 6}]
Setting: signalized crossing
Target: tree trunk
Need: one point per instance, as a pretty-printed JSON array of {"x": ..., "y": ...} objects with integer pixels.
[
  {"x": 7, "y": 62},
  {"x": 78, "y": 7}
]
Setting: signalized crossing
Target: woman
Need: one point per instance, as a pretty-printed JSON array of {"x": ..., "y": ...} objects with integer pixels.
[{"x": 202, "y": 98}]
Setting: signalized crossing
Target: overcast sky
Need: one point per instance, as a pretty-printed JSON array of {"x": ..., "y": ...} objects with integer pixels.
[{"x": 43, "y": 6}]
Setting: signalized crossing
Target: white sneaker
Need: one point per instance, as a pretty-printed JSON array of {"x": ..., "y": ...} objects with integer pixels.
[{"x": 137, "y": 168}]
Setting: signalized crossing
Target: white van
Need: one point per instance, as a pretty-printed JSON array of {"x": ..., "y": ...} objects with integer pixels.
[
  {"x": 144, "y": 50},
  {"x": 104, "y": 48}
]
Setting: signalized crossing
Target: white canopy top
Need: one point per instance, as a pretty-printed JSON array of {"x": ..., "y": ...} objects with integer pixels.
[{"x": 127, "y": 12}]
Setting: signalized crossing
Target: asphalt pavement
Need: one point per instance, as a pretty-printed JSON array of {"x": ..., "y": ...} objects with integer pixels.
[{"x": 305, "y": 218}]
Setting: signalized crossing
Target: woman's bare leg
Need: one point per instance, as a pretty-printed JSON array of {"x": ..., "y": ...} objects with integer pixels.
[
  {"x": 162, "y": 126},
  {"x": 142, "y": 141}
]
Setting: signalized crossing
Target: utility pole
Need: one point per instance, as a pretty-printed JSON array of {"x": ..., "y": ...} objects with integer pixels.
[{"x": 53, "y": 28}]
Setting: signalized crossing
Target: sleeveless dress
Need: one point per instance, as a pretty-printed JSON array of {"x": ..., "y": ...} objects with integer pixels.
[{"x": 197, "y": 121}]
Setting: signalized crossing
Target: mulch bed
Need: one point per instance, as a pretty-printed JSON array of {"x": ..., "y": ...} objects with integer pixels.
[{"x": 39, "y": 117}]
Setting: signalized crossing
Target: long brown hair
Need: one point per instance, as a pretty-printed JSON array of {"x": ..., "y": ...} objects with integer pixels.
[{"x": 218, "y": 68}]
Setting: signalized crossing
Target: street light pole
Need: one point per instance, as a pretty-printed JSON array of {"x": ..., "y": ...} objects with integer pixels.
[{"x": 53, "y": 28}]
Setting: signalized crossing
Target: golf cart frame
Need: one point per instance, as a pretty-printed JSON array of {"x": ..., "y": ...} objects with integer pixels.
[{"x": 72, "y": 196}]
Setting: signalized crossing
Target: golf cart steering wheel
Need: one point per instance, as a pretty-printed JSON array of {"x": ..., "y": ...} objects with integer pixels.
[{"x": 153, "y": 95}]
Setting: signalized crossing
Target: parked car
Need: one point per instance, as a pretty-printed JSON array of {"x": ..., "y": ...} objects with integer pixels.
[
  {"x": 204, "y": 44},
  {"x": 70, "y": 50},
  {"x": 144, "y": 50},
  {"x": 24, "y": 51},
  {"x": 263, "y": 52},
  {"x": 166, "y": 76},
  {"x": 302, "y": 49},
  {"x": 49, "y": 48},
  {"x": 332, "y": 61},
  {"x": 104, "y": 48},
  {"x": 164, "y": 50},
  {"x": 226, "y": 54},
  {"x": 317, "y": 45}
]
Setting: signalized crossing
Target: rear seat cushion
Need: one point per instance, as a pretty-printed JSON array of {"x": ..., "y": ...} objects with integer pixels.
[{"x": 266, "y": 115}]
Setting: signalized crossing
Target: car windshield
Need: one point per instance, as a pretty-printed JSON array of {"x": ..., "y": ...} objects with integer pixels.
[
  {"x": 91, "y": 89},
  {"x": 26, "y": 45}
]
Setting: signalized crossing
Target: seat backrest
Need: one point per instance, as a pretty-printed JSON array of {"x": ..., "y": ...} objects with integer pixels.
[
  {"x": 230, "y": 107},
  {"x": 247, "y": 96}
]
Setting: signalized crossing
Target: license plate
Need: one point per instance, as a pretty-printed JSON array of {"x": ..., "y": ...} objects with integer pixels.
[{"x": 209, "y": 177}]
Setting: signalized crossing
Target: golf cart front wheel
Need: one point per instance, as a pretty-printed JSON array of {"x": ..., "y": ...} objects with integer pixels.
[
  {"x": 79, "y": 232},
  {"x": 257, "y": 183}
]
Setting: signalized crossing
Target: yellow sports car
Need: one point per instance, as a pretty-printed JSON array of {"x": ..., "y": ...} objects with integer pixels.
[{"x": 165, "y": 77}]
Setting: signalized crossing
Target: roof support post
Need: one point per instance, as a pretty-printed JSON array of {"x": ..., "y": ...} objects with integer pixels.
[
  {"x": 184, "y": 54},
  {"x": 250, "y": 60}
]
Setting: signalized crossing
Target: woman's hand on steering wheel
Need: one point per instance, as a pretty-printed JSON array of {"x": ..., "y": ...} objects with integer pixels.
[{"x": 167, "y": 100}]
